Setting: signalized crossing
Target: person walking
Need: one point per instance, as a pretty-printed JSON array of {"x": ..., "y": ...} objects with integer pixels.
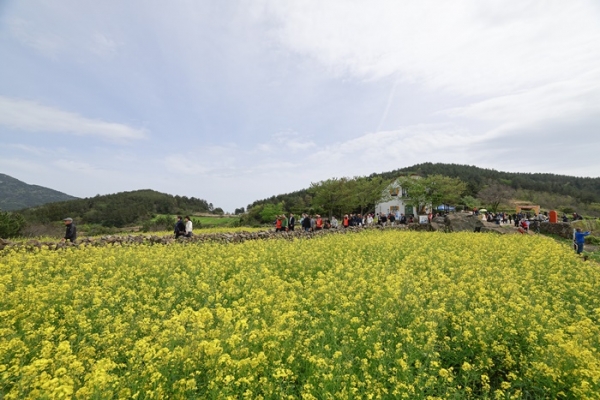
[
  {"x": 292, "y": 222},
  {"x": 71, "y": 232},
  {"x": 579, "y": 239}
]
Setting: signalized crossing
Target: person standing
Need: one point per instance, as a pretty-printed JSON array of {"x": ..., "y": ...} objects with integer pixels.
[
  {"x": 292, "y": 222},
  {"x": 369, "y": 219},
  {"x": 579, "y": 239},
  {"x": 179, "y": 227},
  {"x": 306, "y": 223},
  {"x": 188, "y": 227},
  {"x": 71, "y": 232},
  {"x": 403, "y": 219},
  {"x": 319, "y": 223},
  {"x": 284, "y": 223}
]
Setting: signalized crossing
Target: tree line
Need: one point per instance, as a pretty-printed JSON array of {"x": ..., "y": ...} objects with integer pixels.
[{"x": 358, "y": 195}]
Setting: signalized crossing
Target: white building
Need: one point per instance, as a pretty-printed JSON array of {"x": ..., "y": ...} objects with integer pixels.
[{"x": 394, "y": 200}]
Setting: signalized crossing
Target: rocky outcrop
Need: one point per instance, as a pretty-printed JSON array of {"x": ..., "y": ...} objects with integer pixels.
[
  {"x": 562, "y": 229},
  {"x": 463, "y": 222},
  {"x": 457, "y": 222},
  {"x": 438, "y": 224}
]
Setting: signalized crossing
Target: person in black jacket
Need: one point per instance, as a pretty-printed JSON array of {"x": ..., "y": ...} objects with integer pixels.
[
  {"x": 306, "y": 225},
  {"x": 179, "y": 227},
  {"x": 291, "y": 222},
  {"x": 71, "y": 233}
]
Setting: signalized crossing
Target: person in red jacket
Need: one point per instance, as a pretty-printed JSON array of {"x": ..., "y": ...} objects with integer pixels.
[
  {"x": 346, "y": 221},
  {"x": 278, "y": 224}
]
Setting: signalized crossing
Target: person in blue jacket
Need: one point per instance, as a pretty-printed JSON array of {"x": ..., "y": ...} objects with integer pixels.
[{"x": 579, "y": 239}]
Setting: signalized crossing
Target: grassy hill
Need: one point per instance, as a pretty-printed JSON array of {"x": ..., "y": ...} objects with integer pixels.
[{"x": 15, "y": 194}]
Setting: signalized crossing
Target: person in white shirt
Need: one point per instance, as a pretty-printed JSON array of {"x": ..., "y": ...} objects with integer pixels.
[{"x": 188, "y": 226}]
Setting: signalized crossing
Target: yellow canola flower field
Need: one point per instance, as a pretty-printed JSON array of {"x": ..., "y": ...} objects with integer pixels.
[{"x": 372, "y": 315}]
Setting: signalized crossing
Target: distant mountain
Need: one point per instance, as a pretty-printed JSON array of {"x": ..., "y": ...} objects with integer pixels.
[
  {"x": 117, "y": 210},
  {"x": 15, "y": 194}
]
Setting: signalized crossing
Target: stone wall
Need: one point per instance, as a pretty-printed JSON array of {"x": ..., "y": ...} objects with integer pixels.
[
  {"x": 237, "y": 237},
  {"x": 452, "y": 224}
]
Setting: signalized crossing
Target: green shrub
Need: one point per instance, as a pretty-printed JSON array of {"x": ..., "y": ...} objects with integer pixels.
[
  {"x": 160, "y": 223},
  {"x": 593, "y": 240},
  {"x": 11, "y": 224}
]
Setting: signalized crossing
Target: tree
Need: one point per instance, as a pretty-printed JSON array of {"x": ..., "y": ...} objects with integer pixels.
[
  {"x": 444, "y": 189},
  {"x": 415, "y": 192},
  {"x": 495, "y": 194},
  {"x": 239, "y": 211},
  {"x": 470, "y": 202},
  {"x": 366, "y": 192},
  {"x": 333, "y": 195},
  {"x": 433, "y": 190},
  {"x": 218, "y": 211}
]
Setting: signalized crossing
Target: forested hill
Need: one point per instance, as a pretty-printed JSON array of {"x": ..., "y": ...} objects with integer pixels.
[
  {"x": 16, "y": 194},
  {"x": 118, "y": 210},
  {"x": 585, "y": 190}
]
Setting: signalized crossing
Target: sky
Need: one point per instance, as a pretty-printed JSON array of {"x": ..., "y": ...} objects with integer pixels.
[{"x": 235, "y": 101}]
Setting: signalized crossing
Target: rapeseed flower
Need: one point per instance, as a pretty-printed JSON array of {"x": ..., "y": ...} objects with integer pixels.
[{"x": 369, "y": 315}]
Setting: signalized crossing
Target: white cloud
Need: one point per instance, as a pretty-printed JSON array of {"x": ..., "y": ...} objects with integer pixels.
[
  {"x": 38, "y": 151},
  {"x": 76, "y": 166},
  {"x": 178, "y": 164},
  {"x": 26, "y": 32},
  {"x": 33, "y": 117},
  {"x": 569, "y": 99},
  {"x": 103, "y": 46},
  {"x": 288, "y": 141},
  {"x": 389, "y": 150},
  {"x": 70, "y": 41},
  {"x": 510, "y": 69},
  {"x": 468, "y": 47}
]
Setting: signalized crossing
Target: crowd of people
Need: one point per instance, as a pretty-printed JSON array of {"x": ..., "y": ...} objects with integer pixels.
[
  {"x": 522, "y": 220},
  {"x": 316, "y": 222}
]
